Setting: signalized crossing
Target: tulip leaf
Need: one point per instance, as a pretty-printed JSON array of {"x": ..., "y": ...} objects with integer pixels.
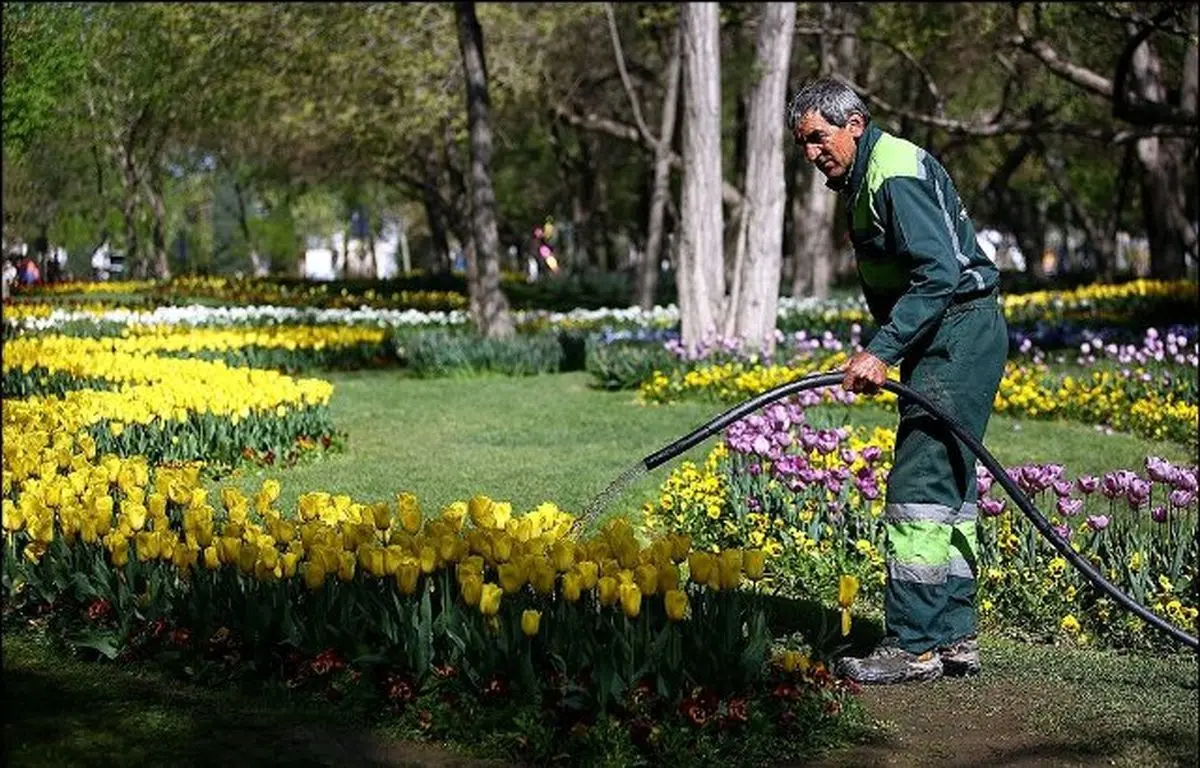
[{"x": 102, "y": 642}]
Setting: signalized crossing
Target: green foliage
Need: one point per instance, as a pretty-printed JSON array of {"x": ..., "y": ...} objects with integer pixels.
[
  {"x": 625, "y": 365},
  {"x": 442, "y": 353}
]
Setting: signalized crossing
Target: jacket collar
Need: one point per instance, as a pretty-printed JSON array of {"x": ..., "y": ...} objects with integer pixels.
[{"x": 862, "y": 154}]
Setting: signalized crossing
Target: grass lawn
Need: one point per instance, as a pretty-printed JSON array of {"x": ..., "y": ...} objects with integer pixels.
[
  {"x": 553, "y": 437},
  {"x": 528, "y": 440}
]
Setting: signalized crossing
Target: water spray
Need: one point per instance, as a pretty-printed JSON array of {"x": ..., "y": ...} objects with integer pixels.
[{"x": 818, "y": 380}]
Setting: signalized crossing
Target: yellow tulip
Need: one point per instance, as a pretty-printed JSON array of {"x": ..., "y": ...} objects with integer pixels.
[
  {"x": 646, "y": 578},
  {"x": 381, "y": 516},
  {"x": 572, "y": 586},
  {"x": 247, "y": 557},
  {"x": 676, "y": 603},
  {"x": 631, "y": 600},
  {"x": 288, "y": 562},
  {"x": 700, "y": 565},
  {"x": 668, "y": 577},
  {"x": 147, "y": 546},
  {"x": 480, "y": 510},
  {"x": 512, "y": 577},
  {"x": 314, "y": 575},
  {"x": 120, "y": 553},
  {"x": 345, "y": 569},
  {"x": 730, "y": 567},
  {"x": 607, "y": 587},
  {"x": 847, "y": 590},
  {"x": 428, "y": 559},
  {"x": 34, "y": 551},
  {"x": 589, "y": 573},
  {"x": 14, "y": 520},
  {"x": 212, "y": 560},
  {"x": 406, "y": 577},
  {"x": 754, "y": 562},
  {"x": 502, "y": 548},
  {"x": 627, "y": 554},
  {"x": 542, "y": 577},
  {"x": 563, "y": 556},
  {"x": 411, "y": 518},
  {"x": 489, "y": 599},
  {"x": 472, "y": 589},
  {"x": 531, "y": 621},
  {"x": 679, "y": 547}
]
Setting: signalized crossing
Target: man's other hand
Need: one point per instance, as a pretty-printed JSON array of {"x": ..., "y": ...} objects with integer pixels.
[{"x": 864, "y": 373}]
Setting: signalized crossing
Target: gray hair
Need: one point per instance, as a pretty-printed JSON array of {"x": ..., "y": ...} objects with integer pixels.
[{"x": 831, "y": 98}]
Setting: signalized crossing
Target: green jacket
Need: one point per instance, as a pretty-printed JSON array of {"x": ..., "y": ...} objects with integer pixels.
[{"x": 913, "y": 242}]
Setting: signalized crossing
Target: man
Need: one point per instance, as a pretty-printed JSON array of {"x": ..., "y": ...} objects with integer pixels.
[{"x": 934, "y": 295}]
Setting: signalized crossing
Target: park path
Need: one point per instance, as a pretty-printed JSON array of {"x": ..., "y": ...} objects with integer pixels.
[{"x": 947, "y": 724}]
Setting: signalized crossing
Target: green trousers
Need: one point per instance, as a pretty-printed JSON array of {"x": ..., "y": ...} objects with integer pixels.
[{"x": 930, "y": 512}]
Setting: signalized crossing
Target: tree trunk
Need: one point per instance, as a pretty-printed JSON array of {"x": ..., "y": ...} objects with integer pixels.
[
  {"x": 701, "y": 275},
  {"x": 493, "y": 317},
  {"x": 755, "y": 306},
  {"x": 405, "y": 255},
  {"x": 650, "y": 266},
  {"x": 435, "y": 218},
  {"x": 814, "y": 210},
  {"x": 814, "y": 207},
  {"x": 129, "y": 180},
  {"x": 1164, "y": 163},
  {"x": 159, "y": 264}
]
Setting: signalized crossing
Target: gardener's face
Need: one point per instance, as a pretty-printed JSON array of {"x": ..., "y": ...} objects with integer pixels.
[{"x": 828, "y": 147}]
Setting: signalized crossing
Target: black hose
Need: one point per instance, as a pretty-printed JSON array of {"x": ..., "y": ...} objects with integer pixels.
[{"x": 816, "y": 380}]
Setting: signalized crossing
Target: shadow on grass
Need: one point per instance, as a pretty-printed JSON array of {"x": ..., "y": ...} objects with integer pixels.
[
  {"x": 60, "y": 712},
  {"x": 813, "y": 621}
]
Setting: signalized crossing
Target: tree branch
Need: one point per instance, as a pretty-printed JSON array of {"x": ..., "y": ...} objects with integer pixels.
[
  {"x": 1036, "y": 123},
  {"x": 930, "y": 84},
  {"x": 599, "y": 124},
  {"x": 619, "y": 55},
  {"x": 1043, "y": 52}
]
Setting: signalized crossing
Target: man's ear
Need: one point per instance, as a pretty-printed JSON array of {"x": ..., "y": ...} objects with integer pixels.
[{"x": 856, "y": 125}]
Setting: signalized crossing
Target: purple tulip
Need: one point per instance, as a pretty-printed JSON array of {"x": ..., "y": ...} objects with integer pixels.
[
  {"x": 755, "y": 469},
  {"x": 1112, "y": 485},
  {"x": 1063, "y": 531},
  {"x": 1053, "y": 472},
  {"x": 1159, "y": 514},
  {"x": 870, "y": 491},
  {"x": 834, "y": 485},
  {"x": 871, "y": 453},
  {"x": 761, "y": 445},
  {"x": 992, "y": 507},
  {"x": 1087, "y": 484},
  {"x": 983, "y": 480},
  {"x": 1160, "y": 470},
  {"x": 1068, "y": 507},
  {"x": 1138, "y": 493},
  {"x": 1062, "y": 488},
  {"x": 1097, "y": 522},
  {"x": 847, "y": 455},
  {"x": 808, "y": 438},
  {"x": 1186, "y": 480},
  {"x": 1181, "y": 497},
  {"x": 754, "y": 504},
  {"x": 827, "y": 442}
]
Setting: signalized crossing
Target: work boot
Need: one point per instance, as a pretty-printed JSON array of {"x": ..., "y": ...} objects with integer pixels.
[
  {"x": 889, "y": 664},
  {"x": 961, "y": 658}
]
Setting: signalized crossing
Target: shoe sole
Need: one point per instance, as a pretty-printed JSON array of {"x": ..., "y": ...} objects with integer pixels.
[
  {"x": 920, "y": 672},
  {"x": 960, "y": 666}
]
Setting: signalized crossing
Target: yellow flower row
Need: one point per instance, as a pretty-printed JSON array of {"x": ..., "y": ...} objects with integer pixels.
[
  {"x": 1088, "y": 295},
  {"x": 171, "y": 519},
  {"x": 158, "y": 388},
  {"x": 91, "y": 286}
]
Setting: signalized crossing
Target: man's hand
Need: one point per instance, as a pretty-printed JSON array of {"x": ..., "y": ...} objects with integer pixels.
[{"x": 864, "y": 373}]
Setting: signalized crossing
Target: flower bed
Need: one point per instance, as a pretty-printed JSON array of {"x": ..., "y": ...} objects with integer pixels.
[{"x": 812, "y": 499}]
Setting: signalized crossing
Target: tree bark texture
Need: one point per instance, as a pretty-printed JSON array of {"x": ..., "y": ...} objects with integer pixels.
[
  {"x": 814, "y": 207},
  {"x": 756, "y": 305},
  {"x": 1165, "y": 163},
  {"x": 493, "y": 317},
  {"x": 701, "y": 274},
  {"x": 649, "y": 269}
]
